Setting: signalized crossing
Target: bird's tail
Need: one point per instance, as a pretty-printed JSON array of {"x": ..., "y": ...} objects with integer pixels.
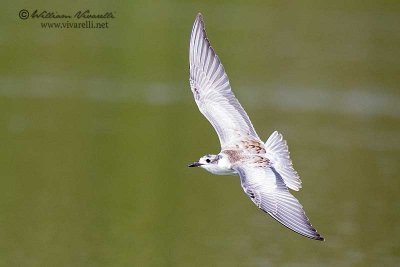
[{"x": 278, "y": 153}]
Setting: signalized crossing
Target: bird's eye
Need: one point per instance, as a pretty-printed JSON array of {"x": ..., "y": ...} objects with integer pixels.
[{"x": 208, "y": 160}]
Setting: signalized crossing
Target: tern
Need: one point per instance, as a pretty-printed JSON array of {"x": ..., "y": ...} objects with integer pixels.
[{"x": 265, "y": 169}]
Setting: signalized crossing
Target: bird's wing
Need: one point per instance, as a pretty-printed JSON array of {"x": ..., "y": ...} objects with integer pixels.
[
  {"x": 212, "y": 92},
  {"x": 265, "y": 187}
]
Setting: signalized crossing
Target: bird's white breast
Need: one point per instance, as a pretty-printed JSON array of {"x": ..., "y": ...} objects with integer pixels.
[{"x": 223, "y": 167}]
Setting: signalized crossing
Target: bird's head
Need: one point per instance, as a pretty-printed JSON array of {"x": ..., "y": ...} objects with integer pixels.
[{"x": 207, "y": 162}]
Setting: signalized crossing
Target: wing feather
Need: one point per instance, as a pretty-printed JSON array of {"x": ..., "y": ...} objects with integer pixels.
[
  {"x": 212, "y": 91},
  {"x": 268, "y": 191}
]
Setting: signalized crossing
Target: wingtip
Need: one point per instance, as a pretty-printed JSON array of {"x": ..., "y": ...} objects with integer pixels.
[
  {"x": 317, "y": 236},
  {"x": 199, "y": 17},
  {"x": 199, "y": 21}
]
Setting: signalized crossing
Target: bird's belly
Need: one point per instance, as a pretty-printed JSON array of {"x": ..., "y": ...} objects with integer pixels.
[{"x": 224, "y": 167}]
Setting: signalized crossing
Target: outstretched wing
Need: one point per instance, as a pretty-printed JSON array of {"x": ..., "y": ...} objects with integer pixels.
[
  {"x": 267, "y": 190},
  {"x": 212, "y": 92}
]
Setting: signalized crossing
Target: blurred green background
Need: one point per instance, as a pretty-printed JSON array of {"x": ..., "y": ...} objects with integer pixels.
[{"x": 97, "y": 127}]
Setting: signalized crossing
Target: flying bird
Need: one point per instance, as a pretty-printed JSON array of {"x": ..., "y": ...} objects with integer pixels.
[{"x": 265, "y": 169}]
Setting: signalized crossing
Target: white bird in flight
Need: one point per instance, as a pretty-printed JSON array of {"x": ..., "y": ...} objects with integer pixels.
[{"x": 265, "y": 169}]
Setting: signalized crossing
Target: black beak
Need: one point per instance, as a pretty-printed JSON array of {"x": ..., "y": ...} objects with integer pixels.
[{"x": 195, "y": 164}]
